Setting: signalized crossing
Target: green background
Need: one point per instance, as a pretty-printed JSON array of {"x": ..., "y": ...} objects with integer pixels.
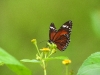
[{"x": 23, "y": 20}]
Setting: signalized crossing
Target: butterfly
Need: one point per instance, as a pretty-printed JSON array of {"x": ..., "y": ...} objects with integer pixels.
[{"x": 60, "y": 37}]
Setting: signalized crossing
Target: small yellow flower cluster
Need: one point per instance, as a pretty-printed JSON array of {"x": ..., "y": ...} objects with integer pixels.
[
  {"x": 66, "y": 61},
  {"x": 45, "y": 49}
]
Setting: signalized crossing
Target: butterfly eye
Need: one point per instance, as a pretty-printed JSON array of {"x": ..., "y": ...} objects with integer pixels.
[{"x": 60, "y": 37}]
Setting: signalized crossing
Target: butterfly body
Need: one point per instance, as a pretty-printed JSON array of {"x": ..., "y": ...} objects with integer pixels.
[{"x": 60, "y": 37}]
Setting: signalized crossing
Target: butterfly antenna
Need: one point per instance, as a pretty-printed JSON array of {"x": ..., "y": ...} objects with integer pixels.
[{"x": 44, "y": 41}]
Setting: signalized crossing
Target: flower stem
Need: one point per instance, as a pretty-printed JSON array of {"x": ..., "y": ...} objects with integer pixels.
[
  {"x": 35, "y": 43},
  {"x": 45, "y": 72},
  {"x": 37, "y": 49},
  {"x": 50, "y": 54},
  {"x": 44, "y": 67},
  {"x": 67, "y": 73}
]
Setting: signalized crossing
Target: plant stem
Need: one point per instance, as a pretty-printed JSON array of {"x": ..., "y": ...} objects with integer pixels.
[
  {"x": 37, "y": 49},
  {"x": 44, "y": 67},
  {"x": 50, "y": 54},
  {"x": 67, "y": 73},
  {"x": 45, "y": 55},
  {"x": 45, "y": 72}
]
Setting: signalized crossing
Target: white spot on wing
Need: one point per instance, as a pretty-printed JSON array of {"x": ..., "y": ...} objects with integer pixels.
[
  {"x": 65, "y": 26},
  {"x": 69, "y": 28},
  {"x": 52, "y": 28}
]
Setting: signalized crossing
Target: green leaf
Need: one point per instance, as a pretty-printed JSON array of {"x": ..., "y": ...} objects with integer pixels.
[
  {"x": 13, "y": 64},
  {"x": 95, "y": 17},
  {"x": 28, "y": 60},
  {"x": 53, "y": 58},
  {"x": 91, "y": 65}
]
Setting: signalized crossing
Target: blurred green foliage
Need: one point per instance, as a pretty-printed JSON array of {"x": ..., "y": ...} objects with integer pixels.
[
  {"x": 23, "y": 20},
  {"x": 13, "y": 64},
  {"x": 91, "y": 65},
  {"x": 95, "y": 17}
]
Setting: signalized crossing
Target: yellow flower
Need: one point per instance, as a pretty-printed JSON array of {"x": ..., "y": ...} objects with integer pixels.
[
  {"x": 45, "y": 49},
  {"x": 34, "y": 41},
  {"x": 66, "y": 61}
]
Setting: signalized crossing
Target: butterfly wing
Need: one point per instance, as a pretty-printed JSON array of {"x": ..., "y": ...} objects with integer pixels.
[
  {"x": 52, "y": 31},
  {"x": 62, "y": 36},
  {"x": 62, "y": 43}
]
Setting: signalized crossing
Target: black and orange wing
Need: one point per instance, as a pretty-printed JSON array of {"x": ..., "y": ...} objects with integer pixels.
[{"x": 62, "y": 37}]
